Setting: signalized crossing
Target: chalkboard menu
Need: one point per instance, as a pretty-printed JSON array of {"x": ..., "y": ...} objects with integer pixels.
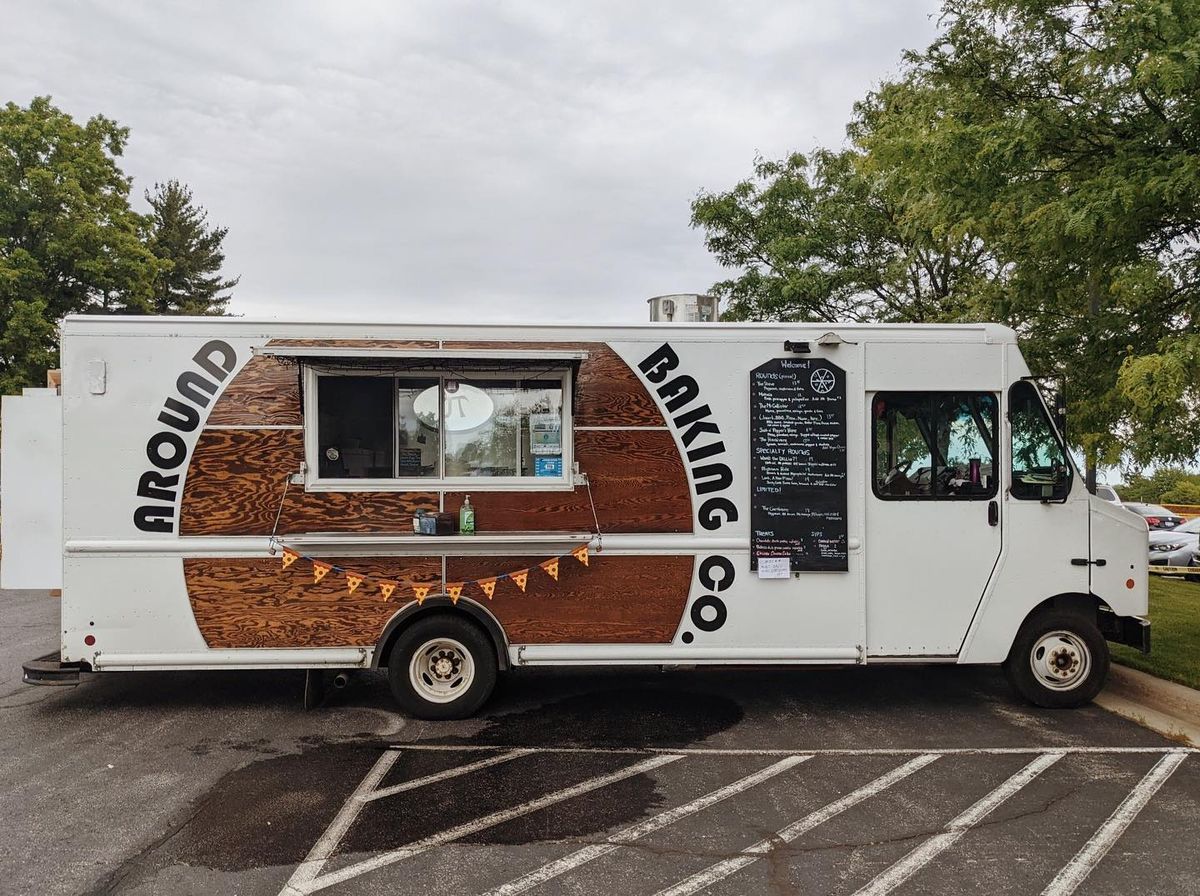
[{"x": 798, "y": 464}]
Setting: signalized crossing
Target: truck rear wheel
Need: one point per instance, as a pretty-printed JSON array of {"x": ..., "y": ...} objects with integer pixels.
[
  {"x": 1058, "y": 660},
  {"x": 442, "y": 667}
]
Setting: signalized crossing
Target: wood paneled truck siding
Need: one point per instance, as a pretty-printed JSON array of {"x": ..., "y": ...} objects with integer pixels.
[
  {"x": 257, "y": 603},
  {"x": 265, "y": 392},
  {"x": 613, "y": 600}
]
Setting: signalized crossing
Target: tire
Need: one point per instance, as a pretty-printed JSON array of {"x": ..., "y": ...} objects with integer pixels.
[
  {"x": 1059, "y": 660},
  {"x": 442, "y": 667}
]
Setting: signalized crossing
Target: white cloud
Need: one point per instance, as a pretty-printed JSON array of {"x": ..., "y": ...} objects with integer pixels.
[{"x": 447, "y": 160}]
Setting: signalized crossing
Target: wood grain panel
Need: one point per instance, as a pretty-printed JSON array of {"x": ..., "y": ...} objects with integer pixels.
[
  {"x": 236, "y": 479},
  {"x": 613, "y": 600},
  {"x": 265, "y": 392},
  {"x": 257, "y": 603},
  {"x": 638, "y": 483}
]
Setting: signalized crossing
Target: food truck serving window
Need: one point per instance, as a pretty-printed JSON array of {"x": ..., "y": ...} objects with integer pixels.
[
  {"x": 424, "y": 429},
  {"x": 934, "y": 445}
]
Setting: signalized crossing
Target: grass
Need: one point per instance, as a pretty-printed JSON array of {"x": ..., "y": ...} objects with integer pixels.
[{"x": 1175, "y": 633}]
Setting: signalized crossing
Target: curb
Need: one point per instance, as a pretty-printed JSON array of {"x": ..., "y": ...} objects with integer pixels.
[{"x": 1171, "y": 709}]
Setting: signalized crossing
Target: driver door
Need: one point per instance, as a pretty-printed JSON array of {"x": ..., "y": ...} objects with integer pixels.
[{"x": 933, "y": 535}]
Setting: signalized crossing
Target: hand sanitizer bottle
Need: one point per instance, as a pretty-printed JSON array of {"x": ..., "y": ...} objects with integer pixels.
[{"x": 466, "y": 517}]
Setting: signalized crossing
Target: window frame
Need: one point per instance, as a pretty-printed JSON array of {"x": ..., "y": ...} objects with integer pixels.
[
  {"x": 993, "y": 485},
  {"x": 1069, "y": 461},
  {"x": 314, "y": 482}
]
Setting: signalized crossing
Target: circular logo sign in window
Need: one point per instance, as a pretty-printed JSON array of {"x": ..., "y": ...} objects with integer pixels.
[{"x": 467, "y": 407}]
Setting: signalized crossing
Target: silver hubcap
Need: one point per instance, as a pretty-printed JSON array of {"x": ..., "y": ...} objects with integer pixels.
[
  {"x": 441, "y": 670},
  {"x": 1060, "y": 660}
]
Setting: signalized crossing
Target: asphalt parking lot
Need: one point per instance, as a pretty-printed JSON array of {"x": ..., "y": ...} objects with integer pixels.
[{"x": 906, "y": 780}]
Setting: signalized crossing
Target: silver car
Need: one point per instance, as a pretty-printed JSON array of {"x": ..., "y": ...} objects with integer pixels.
[{"x": 1176, "y": 547}]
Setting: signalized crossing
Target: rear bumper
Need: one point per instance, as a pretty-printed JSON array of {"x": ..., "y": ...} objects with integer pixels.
[
  {"x": 50, "y": 670},
  {"x": 1133, "y": 631}
]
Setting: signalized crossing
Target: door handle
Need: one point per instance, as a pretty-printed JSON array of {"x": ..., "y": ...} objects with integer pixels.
[
  {"x": 1084, "y": 561},
  {"x": 993, "y": 513}
]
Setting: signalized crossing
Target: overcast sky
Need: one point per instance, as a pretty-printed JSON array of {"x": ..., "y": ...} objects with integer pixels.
[{"x": 458, "y": 161}]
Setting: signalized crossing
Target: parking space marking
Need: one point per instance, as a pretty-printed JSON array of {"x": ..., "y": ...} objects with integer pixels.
[
  {"x": 447, "y": 774},
  {"x": 881, "y": 751},
  {"x": 634, "y": 832},
  {"x": 1077, "y": 870},
  {"x": 723, "y": 869},
  {"x": 328, "y": 841},
  {"x": 466, "y": 829},
  {"x": 898, "y": 873}
]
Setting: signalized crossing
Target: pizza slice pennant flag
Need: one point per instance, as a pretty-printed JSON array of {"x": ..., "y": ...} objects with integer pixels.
[
  {"x": 551, "y": 567},
  {"x": 487, "y": 586},
  {"x": 420, "y": 591},
  {"x": 454, "y": 589},
  {"x": 353, "y": 580},
  {"x": 320, "y": 570},
  {"x": 519, "y": 577},
  {"x": 289, "y": 557},
  {"x": 386, "y": 588},
  {"x": 581, "y": 554}
]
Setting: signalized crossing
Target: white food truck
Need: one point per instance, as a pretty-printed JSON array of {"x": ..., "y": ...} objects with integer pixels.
[{"x": 224, "y": 493}]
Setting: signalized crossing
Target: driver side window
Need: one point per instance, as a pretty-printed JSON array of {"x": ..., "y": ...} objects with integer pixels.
[
  {"x": 1040, "y": 469},
  {"x": 934, "y": 445}
]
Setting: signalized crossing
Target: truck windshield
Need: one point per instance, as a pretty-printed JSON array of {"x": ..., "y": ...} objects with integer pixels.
[{"x": 1041, "y": 470}]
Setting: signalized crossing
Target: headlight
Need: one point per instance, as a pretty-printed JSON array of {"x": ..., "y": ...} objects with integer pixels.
[{"x": 1167, "y": 546}]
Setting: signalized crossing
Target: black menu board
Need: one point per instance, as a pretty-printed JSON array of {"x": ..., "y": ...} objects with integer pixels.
[{"x": 798, "y": 464}]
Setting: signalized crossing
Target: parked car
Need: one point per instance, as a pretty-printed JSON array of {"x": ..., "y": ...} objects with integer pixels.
[
  {"x": 1156, "y": 517},
  {"x": 1176, "y": 547},
  {"x": 1108, "y": 493}
]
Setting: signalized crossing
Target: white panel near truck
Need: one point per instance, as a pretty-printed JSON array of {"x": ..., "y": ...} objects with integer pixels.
[{"x": 31, "y": 482}]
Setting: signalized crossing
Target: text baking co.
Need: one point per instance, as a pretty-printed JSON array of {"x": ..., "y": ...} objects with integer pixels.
[
  {"x": 681, "y": 397},
  {"x": 166, "y": 449}
]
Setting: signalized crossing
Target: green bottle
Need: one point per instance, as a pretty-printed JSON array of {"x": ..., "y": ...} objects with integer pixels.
[{"x": 466, "y": 517}]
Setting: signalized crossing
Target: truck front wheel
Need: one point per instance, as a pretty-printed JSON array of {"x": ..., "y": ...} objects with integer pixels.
[
  {"x": 442, "y": 667},
  {"x": 1058, "y": 660}
]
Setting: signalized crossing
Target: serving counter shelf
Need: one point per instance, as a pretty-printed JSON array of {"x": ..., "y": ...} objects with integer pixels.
[{"x": 399, "y": 544}]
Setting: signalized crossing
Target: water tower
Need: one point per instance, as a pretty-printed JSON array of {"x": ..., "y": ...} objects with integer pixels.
[{"x": 687, "y": 307}]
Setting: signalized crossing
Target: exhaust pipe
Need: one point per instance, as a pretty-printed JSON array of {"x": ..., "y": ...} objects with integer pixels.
[{"x": 341, "y": 680}]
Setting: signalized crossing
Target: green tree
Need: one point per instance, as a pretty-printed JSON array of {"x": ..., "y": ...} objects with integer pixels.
[
  {"x": 69, "y": 241},
  {"x": 1172, "y": 485},
  {"x": 189, "y": 282},
  {"x": 1053, "y": 149}
]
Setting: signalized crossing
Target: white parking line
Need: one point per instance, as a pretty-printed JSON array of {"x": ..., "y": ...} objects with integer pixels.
[
  {"x": 881, "y": 751},
  {"x": 580, "y": 857},
  {"x": 392, "y": 856},
  {"x": 1077, "y": 870},
  {"x": 897, "y": 874},
  {"x": 722, "y": 870},
  {"x": 448, "y": 773}
]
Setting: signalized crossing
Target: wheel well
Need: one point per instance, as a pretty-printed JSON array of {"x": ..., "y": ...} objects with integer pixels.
[
  {"x": 441, "y": 606},
  {"x": 1086, "y": 605}
]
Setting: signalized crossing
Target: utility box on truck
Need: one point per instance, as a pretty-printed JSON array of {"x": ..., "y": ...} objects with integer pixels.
[{"x": 253, "y": 494}]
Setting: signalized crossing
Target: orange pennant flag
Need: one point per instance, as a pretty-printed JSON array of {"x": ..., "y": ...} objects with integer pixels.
[
  {"x": 519, "y": 577},
  {"x": 420, "y": 591},
  {"x": 320, "y": 570},
  {"x": 353, "y": 580},
  {"x": 289, "y": 557},
  {"x": 581, "y": 554},
  {"x": 454, "y": 589},
  {"x": 488, "y": 586},
  {"x": 386, "y": 589},
  {"x": 551, "y": 567}
]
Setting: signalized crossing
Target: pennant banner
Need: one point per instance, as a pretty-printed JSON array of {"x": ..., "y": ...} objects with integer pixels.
[{"x": 387, "y": 587}]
